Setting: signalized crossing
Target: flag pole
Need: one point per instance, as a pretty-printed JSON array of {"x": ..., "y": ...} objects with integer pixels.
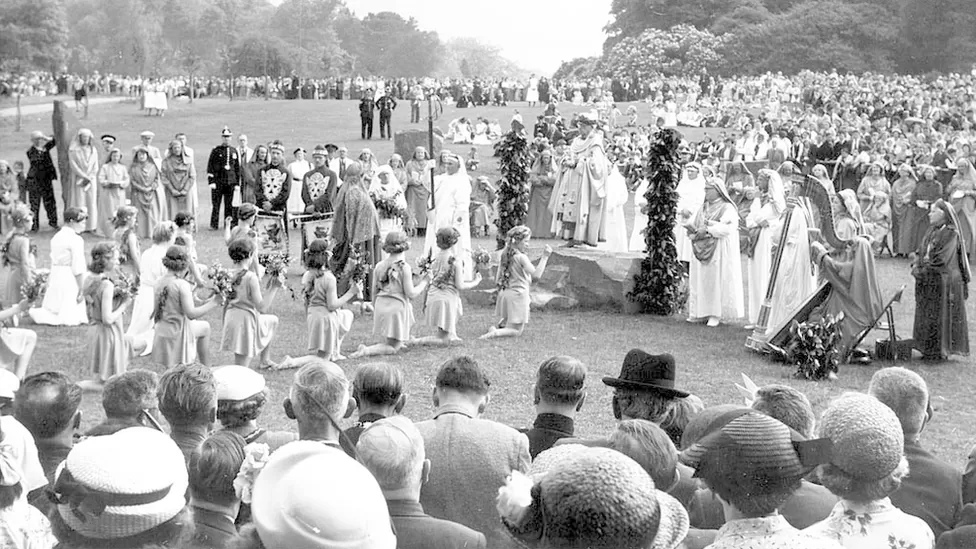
[{"x": 430, "y": 142}]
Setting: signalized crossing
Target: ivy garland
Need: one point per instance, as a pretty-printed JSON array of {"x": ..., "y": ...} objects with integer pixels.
[
  {"x": 657, "y": 287},
  {"x": 513, "y": 188}
]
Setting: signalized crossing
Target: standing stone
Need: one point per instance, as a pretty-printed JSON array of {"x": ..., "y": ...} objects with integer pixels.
[
  {"x": 407, "y": 141},
  {"x": 64, "y": 130}
]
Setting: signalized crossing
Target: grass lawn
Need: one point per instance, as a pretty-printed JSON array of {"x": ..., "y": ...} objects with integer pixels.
[{"x": 709, "y": 360}]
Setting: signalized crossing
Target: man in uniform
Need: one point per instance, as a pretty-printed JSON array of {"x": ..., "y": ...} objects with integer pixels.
[
  {"x": 386, "y": 106},
  {"x": 366, "y": 108},
  {"x": 108, "y": 143},
  {"x": 223, "y": 175},
  {"x": 40, "y": 179}
]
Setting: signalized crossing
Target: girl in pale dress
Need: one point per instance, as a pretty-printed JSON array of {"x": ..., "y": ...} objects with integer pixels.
[
  {"x": 113, "y": 180},
  {"x": 442, "y": 308},
  {"x": 515, "y": 275},
  {"x": 393, "y": 289},
  {"x": 63, "y": 303},
  {"x": 180, "y": 336},
  {"x": 179, "y": 178},
  {"x": 18, "y": 253},
  {"x": 328, "y": 322},
  {"x": 125, "y": 238},
  {"x": 145, "y": 180},
  {"x": 109, "y": 348},
  {"x": 297, "y": 170},
  {"x": 186, "y": 227},
  {"x": 151, "y": 271},
  {"x": 248, "y": 330},
  {"x": 418, "y": 191},
  {"x": 246, "y": 215},
  {"x": 83, "y": 159}
]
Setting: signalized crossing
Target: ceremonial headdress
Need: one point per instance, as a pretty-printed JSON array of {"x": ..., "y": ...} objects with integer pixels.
[
  {"x": 319, "y": 150},
  {"x": 276, "y": 145}
]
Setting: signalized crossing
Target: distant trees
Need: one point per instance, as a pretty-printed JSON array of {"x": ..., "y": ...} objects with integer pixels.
[{"x": 33, "y": 34}]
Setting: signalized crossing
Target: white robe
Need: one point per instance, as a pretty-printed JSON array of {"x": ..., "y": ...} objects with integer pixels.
[
  {"x": 452, "y": 202},
  {"x": 61, "y": 306},
  {"x": 760, "y": 265},
  {"x": 616, "y": 224},
  {"x": 637, "y": 242},
  {"x": 691, "y": 196},
  {"x": 716, "y": 286},
  {"x": 151, "y": 270},
  {"x": 797, "y": 279}
]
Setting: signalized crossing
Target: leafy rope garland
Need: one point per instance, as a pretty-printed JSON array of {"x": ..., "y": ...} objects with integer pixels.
[
  {"x": 513, "y": 188},
  {"x": 657, "y": 287}
]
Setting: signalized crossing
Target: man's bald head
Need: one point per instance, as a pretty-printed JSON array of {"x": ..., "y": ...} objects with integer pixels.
[
  {"x": 47, "y": 404},
  {"x": 393, "y": 450}
]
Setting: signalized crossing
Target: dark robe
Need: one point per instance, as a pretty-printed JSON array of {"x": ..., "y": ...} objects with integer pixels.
[
  {"x": 940, "y": 295},
  {"x": 928, "y": 190},
  {"x": 356, "y": 230},
  {"x": 319, "y": 188}
]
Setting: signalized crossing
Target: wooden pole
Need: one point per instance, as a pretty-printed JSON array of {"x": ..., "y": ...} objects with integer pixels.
[
  {"x": 430, "y": 143},
  {"x": 19, "y": 115}
]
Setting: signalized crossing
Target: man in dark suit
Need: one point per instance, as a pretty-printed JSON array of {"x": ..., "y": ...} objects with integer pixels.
[
  {"x": 393, "y": 450},
  {"x": 559, "y": 395},
  {"x": 40, "y": 179},
  {"x": 366, "y": 108},
  {"x": 472, "y": 457},
  {"x": 932, "y": 491},
  {"x": 386, "y": 105},
  {"x": 223, "y": 175}
]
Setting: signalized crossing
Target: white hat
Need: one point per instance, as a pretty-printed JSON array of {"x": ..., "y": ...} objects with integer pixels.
[
  {"x": 20, "y": 443},
  {"x": 9, "y": 383},
  {"x": 237, "y": 382},
  {"x": 147, "y": 133},
  {"x": 311, "y": 496},
  {"x": 121, "y": 485}
]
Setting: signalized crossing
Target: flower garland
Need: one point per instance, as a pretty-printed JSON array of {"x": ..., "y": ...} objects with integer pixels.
[
  {"x": 445, "y": 278},
  {"x": 360, "y": 266},
  {"x": 513, "y": 188},
  {"x": 481, "y": 257}
]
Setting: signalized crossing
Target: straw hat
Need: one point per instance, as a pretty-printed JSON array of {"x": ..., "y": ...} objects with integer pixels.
[{"x": 867, "y": 436}]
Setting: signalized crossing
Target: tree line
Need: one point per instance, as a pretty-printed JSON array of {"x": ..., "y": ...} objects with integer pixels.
[{"x": 311, "y": 38}]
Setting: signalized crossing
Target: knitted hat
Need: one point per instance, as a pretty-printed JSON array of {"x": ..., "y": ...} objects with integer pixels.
[
  {"x": 237, "y": 382},
  {"x": 867, "y": 436},
  {"x": 590, "y": 497},
  {"x": 121, "y": 485},
  {"x": 311, "y": 496}
]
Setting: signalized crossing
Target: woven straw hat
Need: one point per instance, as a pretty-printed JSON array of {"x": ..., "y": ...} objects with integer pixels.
[
  {"x": 598, "y": 497},
  {"x": 867, "y": 436},
  {"x": 311, "y": 496},
  {"x": 121, "y": 485}
]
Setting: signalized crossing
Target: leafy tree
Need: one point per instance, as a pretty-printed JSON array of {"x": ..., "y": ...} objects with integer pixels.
[
  {"x": 482, "y": 59},
  {"x": 33, "y": 35},
  {"x": 260, "y": 54},
  {"x": 579, "y": 68},
  {"x": 397, "y": 47},
  {"x": 937, "y": 35},
  {"x": 680, "y": 50},
  {"x": 657, "y": 285},
  {"x": 307, "y": 26}
]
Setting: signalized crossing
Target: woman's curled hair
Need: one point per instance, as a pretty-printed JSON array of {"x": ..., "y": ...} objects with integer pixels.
[
  {"x": 100, "y": 255},
  {"x": 240, "y": 249},
  {"x": 176, "y": 259}
]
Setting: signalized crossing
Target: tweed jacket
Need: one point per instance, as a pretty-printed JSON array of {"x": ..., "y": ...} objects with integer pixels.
[
  {"x": 417, "y": 530},
  {"x": 932, "y": 491},
  {"x": 470, "y": 459}
]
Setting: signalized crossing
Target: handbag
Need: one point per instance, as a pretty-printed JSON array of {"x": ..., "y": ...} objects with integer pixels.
[{"x": 893, "y": 349}]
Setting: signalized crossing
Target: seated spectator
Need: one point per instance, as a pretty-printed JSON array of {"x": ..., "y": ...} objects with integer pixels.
[
  {"x": 22, "y": 526},
  {"x": 47, "y": 405},
  {"x": 576, "y": 496},
  {"x": 645, "y": 388},
  {"x": 559, "y": 394},
  {"x": 122, "y": 490},
  {"x": 319, "y": 398},
  {"x": 933, "y": 489},
  {"x": 18, "y": 441},
  {"x": 188, "y": 401},
  {"x": 868, "y": 464},
  {"x": 472, "y": 456},
  {"x": 214, "y": 503},
  {"x": 129, "y": 399},
  {"x": 749, "y": 461},
  {"x": 393, "y": 451},
  {"x": 811, "y": 503},
  {"x": 652, "y": 449},
  {"x": 311, "y": 496},
  {"x": 378, "y": 390},
  {"x": 241, "y": 396},
  {"x": 681, "y": 413}
]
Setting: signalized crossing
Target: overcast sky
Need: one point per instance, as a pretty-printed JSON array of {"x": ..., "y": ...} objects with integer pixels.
[{"x": 537, "y": 34}]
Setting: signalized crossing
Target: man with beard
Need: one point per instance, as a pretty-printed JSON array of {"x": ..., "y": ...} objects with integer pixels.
[
  {"x": 223, "y": 175},
  {"x": 319, "y": 186},
  {"x": 274, "y": 181}
]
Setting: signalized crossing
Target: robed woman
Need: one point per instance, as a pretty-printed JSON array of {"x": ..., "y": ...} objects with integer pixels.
[
  {"x": 942, "y": 277},
  {"x": 962, "y": 196},
  {"x": 927, "y": 191},
  {"x": 764, "y": 222},
  {"x": 715, "y": 272},
  {"x": 145, "y": 180},
  {"x": 874, "y": 193},
  {"x": 113, "y": 180},
  {"x": 83, "y": 192},
  {"x": 542, "y": 178},
  {"x": 356, "y": 229},
  {"x": 902, "y": 212},
  {"x": 691, "y": 195},
  {"x": 179, "y": 179},
  {"x": 418, "y": 191}
]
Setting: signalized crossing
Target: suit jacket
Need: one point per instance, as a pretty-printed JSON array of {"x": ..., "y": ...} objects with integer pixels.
[
  {"x": 546, "y": 430},
  {"x": 417, "y": 530},
  {"x": 470, "y": 460},
  {"x": 41, "y": 168},
  {"x": 224, "y": 167},
  {"x": 932, "y": 491}
]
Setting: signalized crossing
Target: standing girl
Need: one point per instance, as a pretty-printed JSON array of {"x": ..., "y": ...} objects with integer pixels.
[
  {"x": 108, "y": 347},
  {"x": 393, "y": 288},
  {"x": 113, "y": 178},
  {"x": 18, "y": 254},
  {"x": 248, "y": 330},
  {"x": 125, "y": 237},
  {"x": 151, "y": 271},
  {"x": 63, "y": 303},
  {"x": 443, "y": 304},
  {"x": 327, "y": 321},
  {"x": 515, "y": 275},
  {"x": 180, "y": 337}
]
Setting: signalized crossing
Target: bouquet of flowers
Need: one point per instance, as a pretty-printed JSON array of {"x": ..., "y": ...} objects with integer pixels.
[
  {"x": 388, "y": 207},
  {"x": 256, "y": 456},
  {"x": 34, "y": 290},
  {"x": 125, "y": 285},
  {"x": 481, "y": 258},
  {"x": 223, "y": 281},
  {"x": 424, "y": 263},
  {"x": 276, "y": 267},
  {"x": 360, "y": 268}
]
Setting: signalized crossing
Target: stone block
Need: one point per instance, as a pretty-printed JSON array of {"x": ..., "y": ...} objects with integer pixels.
[
  {"x": 595, "y": 279},
  {"x": 406, "y": 141}
]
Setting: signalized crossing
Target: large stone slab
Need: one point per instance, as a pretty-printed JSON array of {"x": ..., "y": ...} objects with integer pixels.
[
  {"x": 595, "y": 279},
  {"x": 65, "y": 128},
  {"x": 407, "y": 141}
]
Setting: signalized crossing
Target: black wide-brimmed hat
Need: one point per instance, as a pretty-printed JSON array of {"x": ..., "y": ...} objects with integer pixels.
[{"x": 646, "y": 372}]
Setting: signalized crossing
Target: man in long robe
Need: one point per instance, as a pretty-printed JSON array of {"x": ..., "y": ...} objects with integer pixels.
[
  {"x": 715, "y": 272},
  {"x": 452, "y": 203},
  {"x": 580, "y": 204}
]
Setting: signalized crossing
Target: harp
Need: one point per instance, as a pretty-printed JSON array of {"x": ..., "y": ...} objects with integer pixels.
[{"x": 811, "y": 191}]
